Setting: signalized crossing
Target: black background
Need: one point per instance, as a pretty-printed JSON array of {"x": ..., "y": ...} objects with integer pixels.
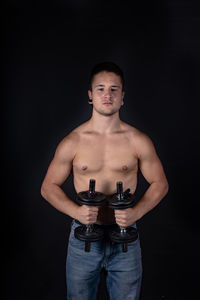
[{"x": 48, "y": 51}]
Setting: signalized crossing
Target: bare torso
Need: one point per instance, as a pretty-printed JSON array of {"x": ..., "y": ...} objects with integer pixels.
[
  {"x": 108, "y": 150},
  {"x": 107, "y": 159}
]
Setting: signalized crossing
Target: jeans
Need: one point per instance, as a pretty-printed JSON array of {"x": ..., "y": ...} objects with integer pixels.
[{"x": 124, "y": 269}]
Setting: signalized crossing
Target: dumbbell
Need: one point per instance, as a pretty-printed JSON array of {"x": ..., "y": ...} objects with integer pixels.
[
  {"x": 93, "y": 232},
  {"x": 122, "y": 200}
]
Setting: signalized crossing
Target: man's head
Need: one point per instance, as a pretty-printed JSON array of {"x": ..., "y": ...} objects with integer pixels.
[
  {"x": 107, "y": 67},
  {"x": 106, "y": 91}
]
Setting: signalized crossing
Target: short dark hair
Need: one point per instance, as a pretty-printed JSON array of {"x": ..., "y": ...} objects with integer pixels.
[{"x": 107, "y": 66}]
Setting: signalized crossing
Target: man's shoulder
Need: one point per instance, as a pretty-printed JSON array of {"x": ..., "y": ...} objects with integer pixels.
[
  {"x": 67, "y": 147},
  {"x": 134, "y": 133},
  {"x": 73, "y": 138},
  {"x": 138, "y": 139}
]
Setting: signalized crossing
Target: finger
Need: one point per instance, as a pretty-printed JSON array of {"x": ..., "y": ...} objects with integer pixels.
[
  {"x": 119, "y": 219},
  {"x": 93, "y": 216},
  {"x": 119, "y": 213},
  {"x": 90, "y": 219},
  {"x": 121, "y": 223},
  {"x": 93, "y": 208}
]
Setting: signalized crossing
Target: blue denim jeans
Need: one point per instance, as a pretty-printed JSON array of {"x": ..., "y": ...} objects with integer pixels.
[{"x": 124, "y": 269}]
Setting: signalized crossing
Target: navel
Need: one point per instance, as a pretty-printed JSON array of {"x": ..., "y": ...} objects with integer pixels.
[
  {"x": 125, "y": 168},
  {"x": 84, "y": 168}
]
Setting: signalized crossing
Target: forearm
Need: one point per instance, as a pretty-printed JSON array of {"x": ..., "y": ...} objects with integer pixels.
[
  {"x": 154, "y": 194},
  {"x": 57, "y": 198}
]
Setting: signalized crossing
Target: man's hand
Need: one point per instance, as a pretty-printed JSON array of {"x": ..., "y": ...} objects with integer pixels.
[
  {"x": 87, "y": 214},
  {"x": 125, "y": 217}
]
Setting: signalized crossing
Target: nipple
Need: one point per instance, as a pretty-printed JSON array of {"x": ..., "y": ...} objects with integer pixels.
[
  {"x": 124, "y": 168},
  {"x": 84, "y": 168}
]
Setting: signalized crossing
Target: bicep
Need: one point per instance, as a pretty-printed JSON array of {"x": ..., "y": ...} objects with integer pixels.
[
  {"x": 61, "y": 165},
  {"x": 58, "y": 172},
  {"x": 149, "y": 163}
]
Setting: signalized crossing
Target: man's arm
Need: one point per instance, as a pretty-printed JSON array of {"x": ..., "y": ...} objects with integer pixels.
[
  {"x": 57, "y": 173},
  {"x": 153, "y": 172}
]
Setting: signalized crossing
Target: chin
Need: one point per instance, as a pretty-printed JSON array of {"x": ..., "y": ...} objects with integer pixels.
[{"x": 106, "y": 113}]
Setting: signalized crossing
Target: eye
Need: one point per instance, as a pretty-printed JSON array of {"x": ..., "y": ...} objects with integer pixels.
[
  {"x": 113, "y": 90},
  {"x": 100, "y": 89}
]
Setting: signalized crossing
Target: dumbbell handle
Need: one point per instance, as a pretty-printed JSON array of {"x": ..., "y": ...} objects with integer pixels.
[
  {"x": 89, "y": 228},
  {"x": 120, "y": 193},
  {"x": 122, "y": 229},
  {"x": 91, "y": 191},
  {"x": 124, "y": 245},
  {"x": 119, "y": 187}
]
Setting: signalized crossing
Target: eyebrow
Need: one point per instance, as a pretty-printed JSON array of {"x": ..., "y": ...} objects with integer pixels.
[{"x": 117, "y": 86}]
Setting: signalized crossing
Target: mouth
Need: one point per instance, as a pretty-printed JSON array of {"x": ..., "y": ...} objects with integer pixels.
[{"x": 107, "y": 103}]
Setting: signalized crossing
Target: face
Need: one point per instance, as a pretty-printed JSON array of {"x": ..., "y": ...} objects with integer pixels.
[{"x": 106, "y": 94}]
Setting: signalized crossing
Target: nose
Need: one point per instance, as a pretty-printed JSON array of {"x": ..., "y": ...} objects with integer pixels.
[{"x": 107, "y": 94}]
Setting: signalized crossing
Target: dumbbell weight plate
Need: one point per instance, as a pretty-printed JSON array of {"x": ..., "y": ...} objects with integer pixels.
[
  {"x": 127, "y": 202},
  {"x": 83, "y": 199},
  {"x": 129, "y": 236},
  {"x": 95, "y": 235}
]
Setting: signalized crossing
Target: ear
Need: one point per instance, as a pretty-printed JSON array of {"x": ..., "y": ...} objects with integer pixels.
[
  {"x": 90, "y": 94},
  {"x": 123, "y": 94},
  {"x": 90, "y": 97}
]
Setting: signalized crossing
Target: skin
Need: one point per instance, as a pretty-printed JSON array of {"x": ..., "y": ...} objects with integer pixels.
[{"x": 107, "y": 150}]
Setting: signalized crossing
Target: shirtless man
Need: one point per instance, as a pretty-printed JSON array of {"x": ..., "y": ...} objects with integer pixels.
[{"x": 107, "y": 150}]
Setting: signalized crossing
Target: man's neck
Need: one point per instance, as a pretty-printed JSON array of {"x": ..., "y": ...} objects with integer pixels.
[{"x": 105, "y": 124}]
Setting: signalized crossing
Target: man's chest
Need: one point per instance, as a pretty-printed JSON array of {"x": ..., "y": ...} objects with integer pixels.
[{"x": 97, "y": 156}]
